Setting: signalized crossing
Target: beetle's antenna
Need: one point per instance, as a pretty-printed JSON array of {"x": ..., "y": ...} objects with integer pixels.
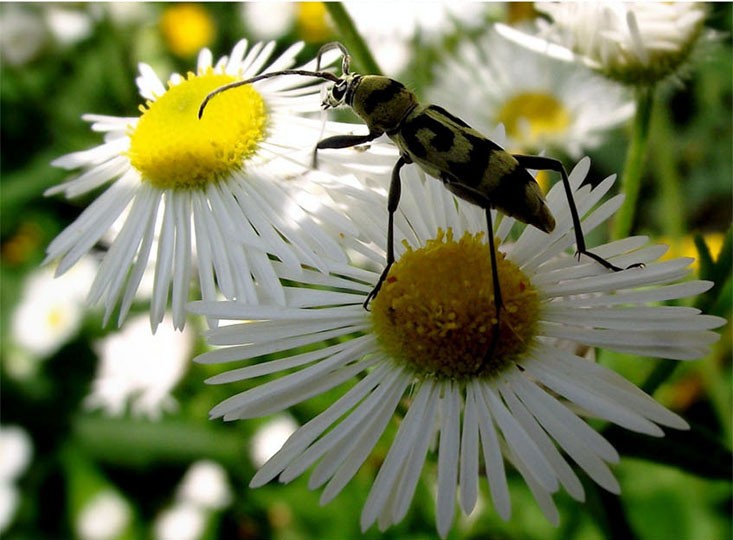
[
  {"x": 319, "y": 74},
  {"x": 346, "y": 57}
]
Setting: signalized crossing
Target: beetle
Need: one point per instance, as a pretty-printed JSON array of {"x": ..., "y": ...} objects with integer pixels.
[{"x": 470, "y": 165}]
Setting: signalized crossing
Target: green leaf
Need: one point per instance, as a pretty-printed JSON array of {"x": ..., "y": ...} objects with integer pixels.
[{"x": 695, "y": 451}]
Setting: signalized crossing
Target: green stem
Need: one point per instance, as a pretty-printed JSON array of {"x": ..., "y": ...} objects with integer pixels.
[
  {"x": 664, "y": 159},
  {"x": 351, "y": 38},
  {"x": 634, "y": 167}
]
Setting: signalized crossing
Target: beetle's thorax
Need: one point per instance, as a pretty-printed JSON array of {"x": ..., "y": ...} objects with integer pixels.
[{"x": 380, "y": 101}]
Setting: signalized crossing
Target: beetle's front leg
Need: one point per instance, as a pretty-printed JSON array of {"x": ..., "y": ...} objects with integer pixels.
[{"x": 342, "y": 141}]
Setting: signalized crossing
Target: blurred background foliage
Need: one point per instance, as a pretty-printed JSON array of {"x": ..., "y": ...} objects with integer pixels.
[{"x": 77, "y": 446}]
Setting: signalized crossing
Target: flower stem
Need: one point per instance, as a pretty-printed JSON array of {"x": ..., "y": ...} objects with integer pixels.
[
  {"x": 664, "y": 159},
  {"x": 352, "y": 39},
  {"x": 634, "y": 167}
]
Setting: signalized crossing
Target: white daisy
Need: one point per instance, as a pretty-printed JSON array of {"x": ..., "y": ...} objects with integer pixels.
[
  {"x": 140, "y": 369},
  {"x": 389, "y": 27},
  {"x": 51, "y": 310},
  {"x": 632, "y": 42},
  {"x": 205, "y": 485},
  {"x": 16, "y": 452},
  {"x": 105, "y": 516},
  {"x": 543, "y": 103},
  {"x": 424, "y": 343},
  {"x": 214, "y": 196}
]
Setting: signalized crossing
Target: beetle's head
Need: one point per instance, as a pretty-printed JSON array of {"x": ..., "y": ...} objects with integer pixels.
[{"x": 340, "y": 93}]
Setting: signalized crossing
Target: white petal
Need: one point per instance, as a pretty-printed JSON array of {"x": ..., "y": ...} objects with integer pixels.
[
  {"x": 334, "y": 447},
  {"x": 163, "y": 264},
  {"x": 611, "y": 386},
  {"x": 311, "y": 430},
  {"x": 282, "y": 393},
  {"x": 493, "y": 459},
  {"x": 365, "y": 443},
  {"x": 468, "y": 474},
  {"x": 417, "y": 421},
  {"x": 574, "y": 436},
  {"x": 520, "y": 442},
  {"x": 658, "y": 294},
  {"x": 448, "y": 459},
  {"x": 182, "y": 259},
  {"x": 564, "y": 472},
  {"x": 599, "y": 405}
]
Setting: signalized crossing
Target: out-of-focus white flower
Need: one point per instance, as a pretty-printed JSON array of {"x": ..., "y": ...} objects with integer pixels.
[
  {"x": 51, "y": 310},
  {"x": 183, "y": 521},
  {"x": 388, "y": 27},
  {"x": 16, "y": 450},
  {"x": 632, "y": 42},
  {"x": 205, "y": 484},
  {"x": 269, "y": 438},
  {"x": 269, "y": 20},
  {"x": 68, "y": 25},
  {"x": 543, "y": 103},
  {"x": 104, "y": 517},
  {"x": 23, "y": 33},
  {"x": 140, "y": 368}
]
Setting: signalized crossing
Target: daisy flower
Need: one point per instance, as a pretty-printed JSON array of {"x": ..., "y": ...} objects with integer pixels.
[
  {"x": 389, "y": 27},
  {"x": 424, "y": 344},
  {"x": 542, "y": 103},
  {"x": 636, "y": 43},
  {"x": 139, "y": 369},
  {"x": 216, "y": 196}
]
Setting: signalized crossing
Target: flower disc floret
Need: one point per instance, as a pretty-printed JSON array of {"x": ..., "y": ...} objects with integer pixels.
[
  {"x": 435, "y": 311},
  {"x": 172, "y": 148}
]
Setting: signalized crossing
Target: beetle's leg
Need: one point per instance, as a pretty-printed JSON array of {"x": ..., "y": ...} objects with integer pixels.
[
  {"x": 393, "y": 201},
  {"x": 550, "y": 164},
  {"x": 498, "y": 303},
  {"x": 342, "y": 141}
]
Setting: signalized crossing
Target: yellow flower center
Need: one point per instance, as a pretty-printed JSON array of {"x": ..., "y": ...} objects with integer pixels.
[
  {"x": 172, "y": 148},
  {"x": 435, "y": 311},
  {"x": 187, "y": 28},
  {"x": 530, "y": 116}
]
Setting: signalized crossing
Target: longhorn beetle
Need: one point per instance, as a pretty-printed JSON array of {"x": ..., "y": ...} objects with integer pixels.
[{"x": 471, "y": 166}]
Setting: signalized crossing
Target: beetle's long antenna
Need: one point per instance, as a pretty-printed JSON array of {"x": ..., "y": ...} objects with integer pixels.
[
  {"x": 346, "y": 57},
  {"x": 319, "y": 74}
]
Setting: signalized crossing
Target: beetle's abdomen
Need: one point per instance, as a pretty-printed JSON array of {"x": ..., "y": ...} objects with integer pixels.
[{"x": 472, "y": 166}]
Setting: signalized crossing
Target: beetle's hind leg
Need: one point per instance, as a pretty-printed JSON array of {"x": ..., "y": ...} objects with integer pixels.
[{"x": 542, "y": 163}]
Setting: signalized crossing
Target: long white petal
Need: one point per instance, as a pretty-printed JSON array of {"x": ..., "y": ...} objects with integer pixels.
[
  {"x": 312, "y": 429},
  {"x": 164, "y": 263},
  {"x": 399, "y": 453},
  {"x": 365, "y": 443},
  {"x": 448, "y": 459},
  {"x": 564, "y": 472},
  {"x": 493, "y": 459},
  {"x": 468, "y": 473},
  {"x": 520, "y": 442},
  {"x": 571, "y": 433}
]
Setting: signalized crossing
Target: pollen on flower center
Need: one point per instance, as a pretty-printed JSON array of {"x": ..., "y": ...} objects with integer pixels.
[
  {"x": 531, "y": 115},
  {"x": 435, "y": 311},
  {"x": 172, "y": 148}
]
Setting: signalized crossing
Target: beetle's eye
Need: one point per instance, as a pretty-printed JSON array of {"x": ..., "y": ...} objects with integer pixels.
[{"x": 339, "y": 91}]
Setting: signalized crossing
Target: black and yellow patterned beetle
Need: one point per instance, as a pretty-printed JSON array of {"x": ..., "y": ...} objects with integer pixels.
[{"x": 445, "y": 147}]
